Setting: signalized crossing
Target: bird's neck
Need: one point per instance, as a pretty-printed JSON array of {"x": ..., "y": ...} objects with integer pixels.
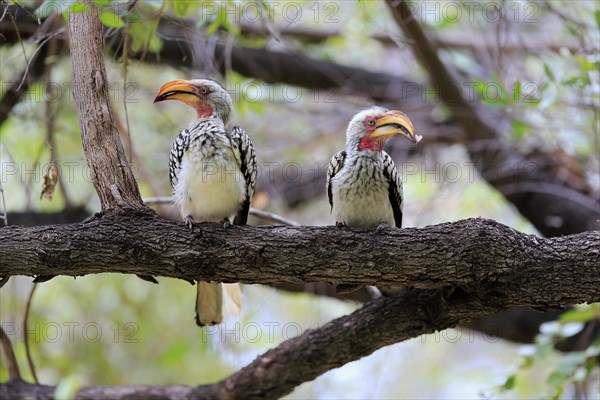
[
  {"x": 369, "y": 143},
  {"x": 204, "y": 110}
]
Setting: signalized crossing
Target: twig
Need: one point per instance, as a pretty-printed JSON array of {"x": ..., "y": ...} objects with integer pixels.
[
  {"x": 272, "y": 217},
  {"x": 35, "y": 52},
  {"x": 26, "y": 336},
  {"x": 54, "y": 47},
  {"x": 3, "y": 212},
  {"x": 158, "y": 200},
  {"x": 9, "y": 355},
  {"x": 253, "y": 211}
]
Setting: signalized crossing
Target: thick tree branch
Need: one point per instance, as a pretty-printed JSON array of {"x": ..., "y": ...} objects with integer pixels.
[
  {"x": 278, "y": 371},
  {"x": 519, "y": 325},
  {"x": 477, "y": 255},
  {"x": 111, "y": 174}
]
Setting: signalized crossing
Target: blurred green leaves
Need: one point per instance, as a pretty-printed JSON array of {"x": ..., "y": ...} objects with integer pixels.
[{"x": 572, "y": 367}]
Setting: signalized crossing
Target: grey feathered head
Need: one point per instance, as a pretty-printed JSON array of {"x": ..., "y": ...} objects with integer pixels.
[
  {"x": 370, "y": 128},
  {"x": 205, "y": 95}
]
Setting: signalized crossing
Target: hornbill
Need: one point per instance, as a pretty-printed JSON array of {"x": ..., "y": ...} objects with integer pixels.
[
  {"x": 363, "y": 184},
  {"x": 213, "y": 175}
]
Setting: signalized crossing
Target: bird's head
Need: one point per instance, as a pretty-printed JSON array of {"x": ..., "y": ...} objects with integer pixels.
[
  {"x": 205, "y": 95},
  {"x": 370, "y": 128}
]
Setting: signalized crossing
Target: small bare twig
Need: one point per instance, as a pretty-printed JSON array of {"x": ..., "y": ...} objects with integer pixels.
[
  {"x": 25, "y": 336},
  {"x": 3, "y": 212},
  {"x": 158, "y": 200},
  {"x": 9, "y": 355},
  {"x": 272, "y": 217},
  {"x": 54, "y": 47}
]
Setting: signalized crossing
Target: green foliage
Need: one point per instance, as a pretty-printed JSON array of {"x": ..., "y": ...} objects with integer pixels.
[
  {"x": 182, "y": 8},
  {"x": 111, "y": 19},
  {"x": 572, "y": 367},
  {"x": 222, "y": 20},
  {"x": 144, "y": 36}
]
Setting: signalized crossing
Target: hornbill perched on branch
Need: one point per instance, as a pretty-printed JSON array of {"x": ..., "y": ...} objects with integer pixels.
[
  {"x": 363, "y": 184},
  {"x": 213, "y": 175}
]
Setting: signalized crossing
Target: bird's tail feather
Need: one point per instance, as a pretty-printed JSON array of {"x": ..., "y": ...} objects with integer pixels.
[
  {"x": 214, "y": 299},
  {"x": 232, "y": 298}
]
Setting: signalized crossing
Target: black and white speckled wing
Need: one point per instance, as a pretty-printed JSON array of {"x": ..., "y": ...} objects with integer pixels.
[
  {"x": 179, "y": 147},
  {"x": 394, "y": 180},
  {"x": 335, "y": 165},
  {"x": 243, "y": 149}
]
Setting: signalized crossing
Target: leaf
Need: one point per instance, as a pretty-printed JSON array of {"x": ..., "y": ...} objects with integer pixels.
[
  {"x": 527, "y": 362},
  {"x": 111, "y": 19},
  {"x": 597, "y": 14},
  {"x": 519, "y": 128},
  {"x": 180, "y": 7},
  {"x": 50, "y": 181},
  {"x": 510, "y": 383},
  {"x": 590, "y": 363},
  {"x": 490, "y": 95},
  {"x": 570, "y": 81},
  {"x": 101, "y": 3},
  {"x": 581, "y": 315},
  {"x": 549, "y": 73},
  {"x": 212, "y": 28},
  {"x": 558, "y": 393},
  {"x": 144, "y": 37},
  {"x": 79, "y": 7},
  {"x": 132, "y": 15},
  {"x": 557, "y": 378}
]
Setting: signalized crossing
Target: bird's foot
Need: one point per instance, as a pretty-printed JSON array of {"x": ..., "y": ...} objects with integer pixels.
[
  {"x": 226, "y": 223},
  {"x": 340, "y": 224},
  {"x": 92, "y": 217},
  {"x": 381, "y": 227},
  {"x": 189, "y": 222}
]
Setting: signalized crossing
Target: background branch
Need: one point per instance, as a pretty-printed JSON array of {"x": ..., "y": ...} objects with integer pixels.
[
  {"x": 111, "y": 174},
  {"x": 278, "y": 371},
  {"x": 9, "y": 357},
  {"x": 482, "y": 131}
]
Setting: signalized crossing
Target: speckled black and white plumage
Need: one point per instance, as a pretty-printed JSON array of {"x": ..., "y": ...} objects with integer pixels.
[
  {"x": 213, "y": 172},
  {"x": 364, "y": 187}
]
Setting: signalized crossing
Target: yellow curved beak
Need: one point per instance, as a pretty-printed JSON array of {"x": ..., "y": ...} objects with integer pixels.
[
  {"x": 395, "y": 122},
  {"x": 178, "y": 89}
]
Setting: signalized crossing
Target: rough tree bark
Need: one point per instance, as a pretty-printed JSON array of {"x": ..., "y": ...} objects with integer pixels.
[
  {"x": 477, "y": 255},
  {"x": 389, "y": 320},
  {"x": 111, "y": 174}
]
